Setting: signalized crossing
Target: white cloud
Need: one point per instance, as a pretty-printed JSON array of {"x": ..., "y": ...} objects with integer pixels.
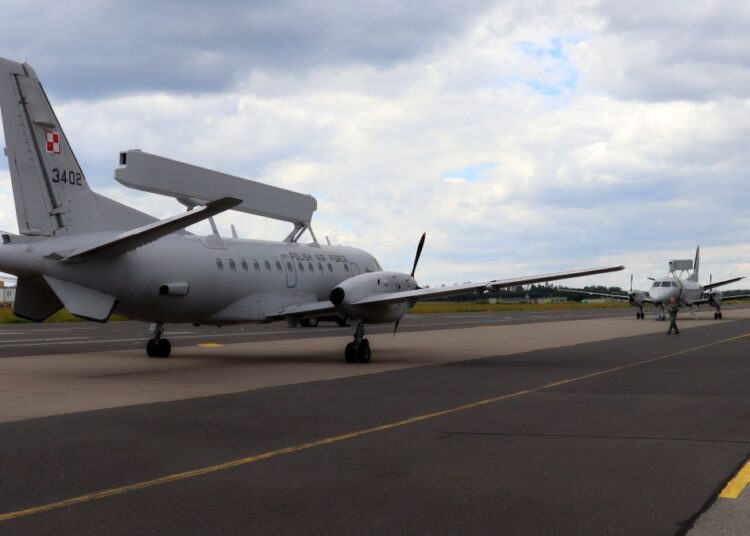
[{"x": 596, "y": 144}]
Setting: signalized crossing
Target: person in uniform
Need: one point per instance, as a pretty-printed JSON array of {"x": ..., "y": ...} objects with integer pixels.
[{"x": 672, "y": 309}]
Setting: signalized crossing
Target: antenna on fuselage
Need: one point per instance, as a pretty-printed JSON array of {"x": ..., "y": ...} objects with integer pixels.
[
  {"x": 234, "y": 232},
  {"x": 328, "y": 241}
]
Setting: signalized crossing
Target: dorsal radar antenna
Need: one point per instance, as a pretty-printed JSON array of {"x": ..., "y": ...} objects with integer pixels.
[{"x": 194, "y": 186}]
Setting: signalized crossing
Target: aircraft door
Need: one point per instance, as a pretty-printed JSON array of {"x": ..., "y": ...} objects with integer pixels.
[{"x": 289, "y": 270}]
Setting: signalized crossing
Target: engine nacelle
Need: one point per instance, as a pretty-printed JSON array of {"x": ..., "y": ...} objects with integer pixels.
[
  {"x": 345, "y": 296},
  {"x": 636, "y": 297},
  {"x": 714, "y": 298}
]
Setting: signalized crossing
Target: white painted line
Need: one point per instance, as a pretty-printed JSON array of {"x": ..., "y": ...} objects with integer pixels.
[{"x": 48, "y": 339}]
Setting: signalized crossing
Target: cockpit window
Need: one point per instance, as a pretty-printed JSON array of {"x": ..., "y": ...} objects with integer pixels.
[{"x": 657, "y": 283}]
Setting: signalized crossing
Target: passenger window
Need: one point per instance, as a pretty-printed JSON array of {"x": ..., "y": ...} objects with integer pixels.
[
  {"x": 219, "y": 264},
  {"x": 330, "y": 268},
  {"x": 232, "y": 265},
  {"x": 267, "y": 265},
  {"x": 256, "y": 265},
  {"x": 244, "y": 265},
  {"x": 346, "y": 267},
  {"x": 289, "y": 266},
  {"x": 320, "y": 267},
  {"x": 301, "y": 266},
  {"x": 310, "y": 267},
  {"x": 278, "y": 266}
]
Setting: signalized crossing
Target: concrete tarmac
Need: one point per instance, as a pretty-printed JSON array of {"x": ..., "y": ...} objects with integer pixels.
[{"x": 582, "y": 426}]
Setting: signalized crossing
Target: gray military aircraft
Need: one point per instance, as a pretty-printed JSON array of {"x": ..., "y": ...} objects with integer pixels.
[
  {"x": 681, "y": 283},
  {"x": 95, "y": 256}
]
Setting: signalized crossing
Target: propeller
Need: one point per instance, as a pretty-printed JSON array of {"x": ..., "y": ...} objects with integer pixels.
[
  {"x": 419, "y": 252},
  {"x": 413, "y": 270},
  {"x": 631, "y": 283}
]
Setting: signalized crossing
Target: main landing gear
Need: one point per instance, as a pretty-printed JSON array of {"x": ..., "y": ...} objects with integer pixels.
[
  {"x": 158, "y": 347},
  {"x": 309, "y": 322},
  {"x": 359, "y": 350}
]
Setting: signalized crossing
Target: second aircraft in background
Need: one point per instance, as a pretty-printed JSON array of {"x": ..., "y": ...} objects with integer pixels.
[{"x": 676, "y": 284}]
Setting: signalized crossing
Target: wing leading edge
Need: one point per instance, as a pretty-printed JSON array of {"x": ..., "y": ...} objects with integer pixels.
[{"x": 326, "y": 307}]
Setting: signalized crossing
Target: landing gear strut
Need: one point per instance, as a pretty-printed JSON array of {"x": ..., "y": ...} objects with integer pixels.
[
  {"x": 359, "y": 350},
  {"x": 158, "y": 347},
  {"x": 662, "y": 315}
]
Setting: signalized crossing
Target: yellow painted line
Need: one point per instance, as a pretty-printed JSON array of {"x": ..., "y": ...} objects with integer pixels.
[
  {"x": 735, "y": 486},
  {"x": 210, "y": 345},
  {"x": 103, "y": 494}
]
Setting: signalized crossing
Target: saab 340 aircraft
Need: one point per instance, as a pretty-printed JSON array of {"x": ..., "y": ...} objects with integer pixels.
[
  {"x": 95, "y": 256},
  {"x": 686, "y": 288}
]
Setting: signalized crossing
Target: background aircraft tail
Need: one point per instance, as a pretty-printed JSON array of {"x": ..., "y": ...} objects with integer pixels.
[
  {"x": 51, "y": 193},
  {"x": 696, "y": 265}
]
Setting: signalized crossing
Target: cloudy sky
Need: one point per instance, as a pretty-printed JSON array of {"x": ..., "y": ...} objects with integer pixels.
[{"x": 524, "y": 137}]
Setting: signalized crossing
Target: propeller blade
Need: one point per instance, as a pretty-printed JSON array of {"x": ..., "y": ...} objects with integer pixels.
[
  {"x": 631, "y": 283},
  {"x": 395, "y": 328},
  {"x": 416, "y": 258}
]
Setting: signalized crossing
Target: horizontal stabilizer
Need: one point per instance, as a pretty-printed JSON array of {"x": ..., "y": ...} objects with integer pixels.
[
  {"x": 193, "y": 185},
  {"x": 82, "y": 301},
  {"x": 141, "y": 236}
]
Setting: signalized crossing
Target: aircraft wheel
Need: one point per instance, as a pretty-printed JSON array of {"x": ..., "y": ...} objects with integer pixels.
[
  {"x": 350, "y": 353},
  {"x": 721, "y": 316},
  {"x": 716, "y": 316},
  {"x": 158, "y": 348},
  {"x": 342, "y": 322},
  {"x": 152, "y": 348},
  {"x": 165, "y": 348},
  {"x": 363, "y": 352},
  {"x": 312, "y": 322}
]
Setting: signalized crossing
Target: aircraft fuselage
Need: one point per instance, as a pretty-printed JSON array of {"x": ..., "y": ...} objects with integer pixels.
[{"x": 219, "y": 281}]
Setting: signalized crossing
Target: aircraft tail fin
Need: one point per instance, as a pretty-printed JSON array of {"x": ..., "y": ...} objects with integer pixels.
[
  {"x": 51, "y": 193},
  {"x": 696, "y": 265}
]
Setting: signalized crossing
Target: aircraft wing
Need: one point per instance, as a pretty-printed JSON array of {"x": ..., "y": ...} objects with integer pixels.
[
  {"x": 721, "y": 283},
  {"x": 325, "y": 307},
  {"x": 623, "y": 297},
  {"x": 308, "y": 309},
  {"x": 140, "y": 236},
  {"x": 723, "y": 299}
]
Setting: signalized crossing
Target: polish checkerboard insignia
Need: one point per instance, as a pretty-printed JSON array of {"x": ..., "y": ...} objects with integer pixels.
[{"x": 53, "y": 141}]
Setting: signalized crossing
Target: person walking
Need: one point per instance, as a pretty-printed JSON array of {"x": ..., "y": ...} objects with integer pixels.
[{"x": 672, "y": 309}]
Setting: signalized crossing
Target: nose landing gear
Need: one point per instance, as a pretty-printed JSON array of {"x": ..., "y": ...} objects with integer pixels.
[
  {"x": 156, "y": 346},
  {"x": 718, "y": 315},
  {"x": 359, "y": 350},
  {"x": 640, "y": 314}
]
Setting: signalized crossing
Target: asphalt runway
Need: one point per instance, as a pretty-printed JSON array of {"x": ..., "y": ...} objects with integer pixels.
[
  {"x": 72, "y": 337},
  {"x": 599, "y": 425}
]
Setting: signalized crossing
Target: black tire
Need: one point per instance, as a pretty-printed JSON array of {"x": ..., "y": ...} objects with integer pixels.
[
  {"x": 342, "y": 322},
  {"x": 152, "y": 348},
  {"x": 363, "y": 352},
  {"x": 165, "y": 348},
  {"x": 721, "y": 316},
  {"x": 305, "y": 322},
  {"x": 312, "y": 322},
  {"x": 350, "y": 353}
]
